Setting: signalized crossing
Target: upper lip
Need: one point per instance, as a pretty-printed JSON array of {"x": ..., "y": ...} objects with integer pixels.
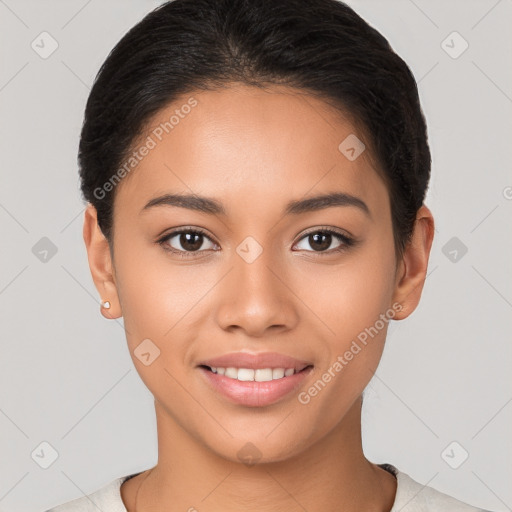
[{"x": 254, "y": 361}]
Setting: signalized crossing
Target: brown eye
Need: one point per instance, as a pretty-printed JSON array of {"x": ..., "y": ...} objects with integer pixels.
[
  {"x": 185, "y": 241},
  {"x": 321, "y": 240}
]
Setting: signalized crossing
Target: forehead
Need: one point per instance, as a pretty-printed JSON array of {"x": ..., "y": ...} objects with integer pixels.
[{"x": 243, "y": 143}]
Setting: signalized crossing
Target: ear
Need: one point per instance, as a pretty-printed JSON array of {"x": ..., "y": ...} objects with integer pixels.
[
  {"x": 413, "y": 266},
  {"x": 100, "y": 263}
]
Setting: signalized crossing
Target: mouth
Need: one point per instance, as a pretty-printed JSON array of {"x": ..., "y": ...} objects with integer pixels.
[
  {"x": 255, "y": 374},
  {"x": 254, "y": 387}
]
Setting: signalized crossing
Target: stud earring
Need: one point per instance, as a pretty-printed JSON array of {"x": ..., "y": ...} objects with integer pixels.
[{"x": 105, "y": 304}]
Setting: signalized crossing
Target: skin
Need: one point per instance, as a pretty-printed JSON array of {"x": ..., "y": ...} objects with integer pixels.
[{"x": 255, "y": 150}]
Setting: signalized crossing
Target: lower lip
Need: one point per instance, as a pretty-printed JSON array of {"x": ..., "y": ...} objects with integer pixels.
[{"x": 252, "y": 393}]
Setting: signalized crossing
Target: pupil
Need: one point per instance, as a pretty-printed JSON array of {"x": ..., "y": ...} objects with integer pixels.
[
  {"x": 192, "y": 246},
  {"x": 322, "y": 245}
]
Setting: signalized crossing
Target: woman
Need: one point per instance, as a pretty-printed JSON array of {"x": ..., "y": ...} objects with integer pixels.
[{"x": 255, "y": 174}]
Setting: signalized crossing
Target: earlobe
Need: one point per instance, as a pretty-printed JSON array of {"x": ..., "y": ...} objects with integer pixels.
[
  {"x": 100, "y": 264},
  {"x": 413, "y": 267}
]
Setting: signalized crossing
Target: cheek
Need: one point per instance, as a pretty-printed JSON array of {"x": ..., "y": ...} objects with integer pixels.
[
  {"x": 160, "y": 298},
  {"x": 356, "y": 300},
  {"x": 349, "y": 297}
]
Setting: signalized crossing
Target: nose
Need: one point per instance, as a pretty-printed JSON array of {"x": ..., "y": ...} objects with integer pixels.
[{"x": 257, "y": 297}]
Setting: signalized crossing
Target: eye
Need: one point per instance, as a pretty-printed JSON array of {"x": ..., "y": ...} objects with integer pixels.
[
  {"x": 321, "y": 240},
  {"x": 185, "y": 241}
]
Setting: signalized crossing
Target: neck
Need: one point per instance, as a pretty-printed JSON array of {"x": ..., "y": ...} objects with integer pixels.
[{"x": 330, "y": 475}]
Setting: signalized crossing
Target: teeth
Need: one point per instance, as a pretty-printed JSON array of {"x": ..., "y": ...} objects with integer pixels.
[{"x": 258, "y": 375}]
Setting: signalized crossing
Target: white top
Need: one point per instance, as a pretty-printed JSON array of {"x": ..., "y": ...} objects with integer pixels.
[{"x": 411, "y": 496}]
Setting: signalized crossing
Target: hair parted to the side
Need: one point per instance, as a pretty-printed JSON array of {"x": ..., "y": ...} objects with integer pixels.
[{"x": 319, "y": 46}]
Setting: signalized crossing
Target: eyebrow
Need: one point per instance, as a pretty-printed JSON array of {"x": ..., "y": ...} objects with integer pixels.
[{"x": 213, "y": 207}]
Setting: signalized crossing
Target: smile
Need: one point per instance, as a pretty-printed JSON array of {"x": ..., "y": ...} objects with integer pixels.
[
  {"x": 254, "y": 387},
  {"x": 250, "y": 374}
]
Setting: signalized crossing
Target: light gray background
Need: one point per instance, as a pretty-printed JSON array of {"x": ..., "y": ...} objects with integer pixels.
[{"x": 66, "y": 375}]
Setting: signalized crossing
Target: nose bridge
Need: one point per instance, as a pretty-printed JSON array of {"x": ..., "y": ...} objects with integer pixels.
[
  {"x": 255, "y": 273},
  {"x": 254, "y": 269},
  {"x": 257, "y": 297}
]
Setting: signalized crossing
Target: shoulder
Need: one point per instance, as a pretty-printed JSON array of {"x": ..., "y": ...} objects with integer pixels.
[
  {"x": 106, "y": 499},
  {"x": 411, "y": 496}
]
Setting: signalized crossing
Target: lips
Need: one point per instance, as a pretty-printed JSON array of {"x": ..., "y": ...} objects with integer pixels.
[
  {"x": 240, "y": 389},
  {"x": 252, "y": 393},
  {"x": 256, "y": 360}
]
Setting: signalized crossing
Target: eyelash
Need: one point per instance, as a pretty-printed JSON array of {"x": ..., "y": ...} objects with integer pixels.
[{"x": 347, "y": 241}]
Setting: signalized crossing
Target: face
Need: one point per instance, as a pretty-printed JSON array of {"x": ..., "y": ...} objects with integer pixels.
[{"x": 247, "y": 273}]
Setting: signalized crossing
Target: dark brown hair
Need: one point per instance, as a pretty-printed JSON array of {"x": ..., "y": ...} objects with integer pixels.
[{"x": 319, "y": 46}]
